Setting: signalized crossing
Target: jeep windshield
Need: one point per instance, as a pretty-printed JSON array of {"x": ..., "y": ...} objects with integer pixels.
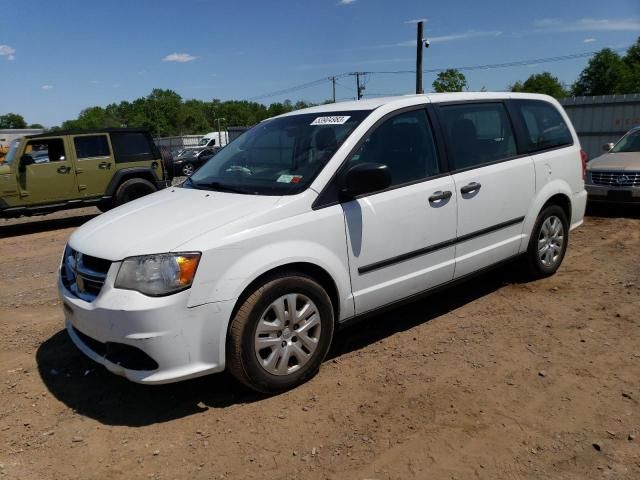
[
  {"x": 13, "y": 147},
  {"x": 281, "y": 156}
]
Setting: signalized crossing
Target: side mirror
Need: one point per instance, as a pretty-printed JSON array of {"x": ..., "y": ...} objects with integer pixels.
[
  {"x": 25, "y": 161},
  {"x": 608, "y": 146},
  {"x": 366, "y": 178}
]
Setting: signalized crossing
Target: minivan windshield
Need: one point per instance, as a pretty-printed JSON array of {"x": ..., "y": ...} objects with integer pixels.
[
  {"x": 13, "y": 147},
  {"x": 280, "y": 156},
  {"x": 629, "y": 143}
]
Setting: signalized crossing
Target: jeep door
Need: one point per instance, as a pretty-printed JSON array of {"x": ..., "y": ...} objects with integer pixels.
[
  {"x": 401, "y": 240},
  {"x": 45, "y": 172},
  {"x": 94, "y": 163},
  {"x": 493, "y": 182}
]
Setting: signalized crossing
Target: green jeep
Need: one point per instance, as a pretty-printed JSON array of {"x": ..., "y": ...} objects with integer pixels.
[{"x": 59, "y": 170}]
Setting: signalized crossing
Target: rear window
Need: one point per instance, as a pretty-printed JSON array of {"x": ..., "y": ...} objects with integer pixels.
[
  {"x": 545, "y": 126},
  {"x": 132, "y": 146},
  {"x": 92, "y": 146}
]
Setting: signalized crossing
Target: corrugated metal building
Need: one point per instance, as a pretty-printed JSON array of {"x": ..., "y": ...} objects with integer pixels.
[{"x": 603, "y": 119}]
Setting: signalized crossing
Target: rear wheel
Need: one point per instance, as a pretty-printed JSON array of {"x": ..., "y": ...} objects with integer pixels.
[
  {"x": 548, "y": 242},
  {"x": 133, "y": 189},
  {"x": 280, "y": 334}
]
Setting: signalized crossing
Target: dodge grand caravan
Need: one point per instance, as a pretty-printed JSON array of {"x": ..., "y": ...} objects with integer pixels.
[{"x": 315, "y": 218}]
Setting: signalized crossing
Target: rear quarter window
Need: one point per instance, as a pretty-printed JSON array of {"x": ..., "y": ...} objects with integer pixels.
[
  {"x": 133, "y": 147},
  {"x": 544, "y": 125},
  {"x": 91, "y": 146}
]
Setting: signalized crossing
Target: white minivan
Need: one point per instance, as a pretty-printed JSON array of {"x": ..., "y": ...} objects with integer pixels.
[{"x": 315, "y": 218}]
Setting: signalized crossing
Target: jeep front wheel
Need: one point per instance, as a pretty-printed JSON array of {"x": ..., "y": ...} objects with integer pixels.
[{"x": 133, "y": 189}]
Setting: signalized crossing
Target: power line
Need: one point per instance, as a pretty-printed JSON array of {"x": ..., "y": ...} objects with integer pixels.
[
  {"x": 296, "y": 87},
  {"x": 500, "y": 65},
  {"x": 467, "y": 68}
]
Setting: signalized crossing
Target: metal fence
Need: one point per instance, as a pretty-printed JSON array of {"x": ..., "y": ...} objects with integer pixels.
[
  {"x": 603, "y": 119},
  {"x": 178, "y": 143}
]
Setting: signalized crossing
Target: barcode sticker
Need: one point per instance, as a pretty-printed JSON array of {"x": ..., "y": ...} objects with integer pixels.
[{"x": 334, "y": 120}]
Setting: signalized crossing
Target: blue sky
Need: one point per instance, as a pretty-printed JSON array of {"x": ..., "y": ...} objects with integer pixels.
[{"x": 57, "y": 58}]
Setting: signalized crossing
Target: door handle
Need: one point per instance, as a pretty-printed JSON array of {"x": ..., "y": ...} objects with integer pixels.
[
  {"x": 440, "y": 195},
  {"x": 104, "y": 165},
  {"x": 470, "y": 188},
  {"x": 63, "y": 169}
]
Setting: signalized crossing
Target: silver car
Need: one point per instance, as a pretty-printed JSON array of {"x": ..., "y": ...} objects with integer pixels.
[{"x": 615, "y": 175}]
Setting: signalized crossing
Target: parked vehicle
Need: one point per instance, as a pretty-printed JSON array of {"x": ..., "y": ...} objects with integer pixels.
[
  {"x": 313, "y": 219},
  {"x": 216, "y": 140},
  {"x": 615, "y": 176},
  {"x": 59, "y": 170},
  {"x": 187, "y": 162}
]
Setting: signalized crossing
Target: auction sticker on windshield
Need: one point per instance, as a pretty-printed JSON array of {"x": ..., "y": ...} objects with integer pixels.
[
  {"x": 334, "y": 120},
  {"x": 289, "y": 178}
]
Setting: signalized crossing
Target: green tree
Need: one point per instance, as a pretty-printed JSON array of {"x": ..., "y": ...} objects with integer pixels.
[
  {"x": 35, "y": 125},
  {"x": 541, "y": 83},
  {"x": 602, "y": 75},
  {"x": 12, "y": 120},
  {"x": 630, "y": 82},
  {"x": 450, "y": 80}
]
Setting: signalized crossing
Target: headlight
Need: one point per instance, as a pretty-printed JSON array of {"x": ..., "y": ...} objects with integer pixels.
[{"x": 158, "y": 275}]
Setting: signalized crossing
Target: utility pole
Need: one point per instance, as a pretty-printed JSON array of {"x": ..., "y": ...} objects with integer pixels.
[
  {"x": 419, "y": 88},
  {"x": 359, "y": 88},
  {"x": 333, "y": 81}
]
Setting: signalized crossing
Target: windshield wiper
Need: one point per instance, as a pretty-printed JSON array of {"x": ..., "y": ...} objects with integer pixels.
[{"x": 221, "y": 187}]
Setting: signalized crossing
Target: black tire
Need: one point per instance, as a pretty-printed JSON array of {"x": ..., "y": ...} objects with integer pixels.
[
  {"x": 133, "y": 189},
  {"x": 167, "y": 162},
  {"x": 242, "y": 358},
  {"x": 536, "y": 267}
]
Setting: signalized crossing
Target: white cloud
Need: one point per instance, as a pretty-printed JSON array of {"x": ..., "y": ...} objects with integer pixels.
[
  {"x": 416, "y": 20},
  {"x": 589, "y": 40},
  {"x": 179, "y": 57},
  {"x": 7, "y": 51},
  {"x": 47, "y": 87},
  {"x": 588, "y": 25},
  {"x": 347, "y": 2}
]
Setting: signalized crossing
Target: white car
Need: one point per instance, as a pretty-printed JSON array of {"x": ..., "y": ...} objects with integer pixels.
[{"x": 315, "y": 218}]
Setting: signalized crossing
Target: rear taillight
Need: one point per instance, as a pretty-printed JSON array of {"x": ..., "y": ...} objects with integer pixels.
[{"x": 584, "y": 158}]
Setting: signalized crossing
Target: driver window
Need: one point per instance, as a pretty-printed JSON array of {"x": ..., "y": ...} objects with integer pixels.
[
  {"x": 46, "y": 150},
  {"x": 405, "y": 144}
]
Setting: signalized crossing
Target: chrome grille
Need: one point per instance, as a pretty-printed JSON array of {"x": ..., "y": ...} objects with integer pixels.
[
  {"x": 616, "y": 179},
  {"x": 83, "y": 275}
]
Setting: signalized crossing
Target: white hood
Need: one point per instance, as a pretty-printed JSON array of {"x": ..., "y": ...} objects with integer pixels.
[{"x": 163, "y": 221}]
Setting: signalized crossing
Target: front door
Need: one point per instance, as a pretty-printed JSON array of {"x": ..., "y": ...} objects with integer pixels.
[
  {"x": 494, "y": 185},
  {"x": 401, "y": 240},
  {"x": 94, "y": 163},
  {"x": 46, "y": 172}
]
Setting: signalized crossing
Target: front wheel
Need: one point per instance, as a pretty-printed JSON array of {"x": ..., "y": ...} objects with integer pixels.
[
  {"x": 280, "y": 334},
  {"x": 548, "y": 242},
  {"x": 188, "y": 169}
]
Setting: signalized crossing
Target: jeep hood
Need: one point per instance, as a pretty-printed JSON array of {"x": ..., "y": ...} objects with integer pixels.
[
  {"x": 163, "y": 221},
  {"x": 616, "y": 161}
]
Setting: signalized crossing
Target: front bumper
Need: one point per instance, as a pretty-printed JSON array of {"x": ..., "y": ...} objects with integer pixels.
[
  {"x": 612, "y": 194},
  {"x": 175, "y": 342}
]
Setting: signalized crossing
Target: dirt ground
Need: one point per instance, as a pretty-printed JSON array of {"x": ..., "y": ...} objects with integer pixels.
[{"x": 495, "y": 379}]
